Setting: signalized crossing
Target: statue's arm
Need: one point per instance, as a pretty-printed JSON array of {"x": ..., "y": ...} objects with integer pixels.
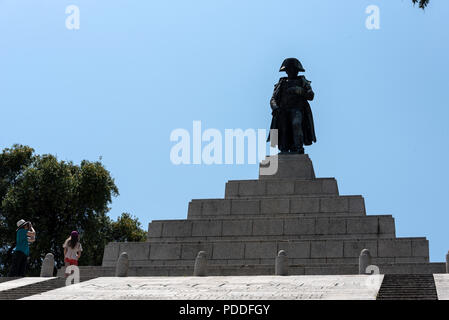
[
  {"x": 309, "y": 94},
  {"x": 275, "y": 98}
]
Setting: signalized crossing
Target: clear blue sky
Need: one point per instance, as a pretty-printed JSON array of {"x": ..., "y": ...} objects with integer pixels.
[{"x": 136, "y": 70}]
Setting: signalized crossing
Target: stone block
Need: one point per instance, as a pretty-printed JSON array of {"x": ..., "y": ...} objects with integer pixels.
[
  {"x": 268, "y": 261},
  {"x": 304, "y": 205},
  {"x": 136, "y": 250},
  {"x": 410, "y": 260},
  {"x": 387, "y": 225},
  {"x": 289, "y": 166},
  {"x": 356, "y": 205},
  {"x": 306, "y": 187},
  {"x": 195, "y": 207},
  {"x": 353, "y": 248},
  {"x": 154, "y": 229},
  {"x": 397, "y": 269},
  {"x": 242, "y": 262},
  {"x": 335, "y": 204},
  {"x": 308, "y": 261},
  {"x": 260, "y": 250},
  {"x": 420, "y": 248},
  {"x": 394, "y": 247},
  {"x": 210, "y": 228},
  {"x": 216, "y": 207},
  {"x": 330, "y": 226},
  {"x": 232, "y": 189},
  {"x": 219, "y": 261},
  {"x": 331, "y": 261},
  {"x": 228, "y": 250},
  {"x": 177, "y": 228},
  {"x": 427, "y": 268},
  {"x": 251, "y": 188},
  {"x": 295, "y": 249},
  {"x": 245, "y": 207},
  {"x": 237, "y": 227},
  {"x": 111, "y": 251},
  {"x": 165, "y": 251},
  {"x": 363, "y": 225},
  {"x": 267, "y": 227},
  {"x": 303, "y": 226},
  {"x": 329, "y": 186},
  {"x": 280, "y": 187},
  {"x": 327, "y": 249},
  {"x": 270, "y": 206},
  {"x": 189, "y": 251},
  {"x": 378, "y": 261}
]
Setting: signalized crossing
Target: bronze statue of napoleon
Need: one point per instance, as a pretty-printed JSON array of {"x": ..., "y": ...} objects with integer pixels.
[{"x": 292, "y": 116}]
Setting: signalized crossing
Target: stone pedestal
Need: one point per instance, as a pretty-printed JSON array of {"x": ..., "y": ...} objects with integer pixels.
[
  {"x": 200, "y": 269},
  {"x": 364, "y": 261},
  {"x": 281, "y": 268},
  {"x": 322, "y": 231},
  {"x": 121, "y": 268},
  {"x": 287, "y": 166},
  {"x": 447, "y": 263},
  {"x": 48, "y": 265}
]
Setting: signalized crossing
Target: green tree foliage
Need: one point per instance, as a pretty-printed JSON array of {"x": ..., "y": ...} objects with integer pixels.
[
  {"x": 127, "y": 229},
  {"x": 58, "y": 197},
  {"x": 13, "y": 161}
]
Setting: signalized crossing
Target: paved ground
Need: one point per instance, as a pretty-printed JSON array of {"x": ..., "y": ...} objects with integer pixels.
[
  {"x": 442, "y": 285},
  {"x": 217, "y": 288},
  {"x": 350, "y": 287}
]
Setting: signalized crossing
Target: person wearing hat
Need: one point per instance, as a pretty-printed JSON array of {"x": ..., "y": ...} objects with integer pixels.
[
  {"x": 72, "y": 249},
  {"x": 24, "y": 235},
  {"x": 292, "y": 116}
]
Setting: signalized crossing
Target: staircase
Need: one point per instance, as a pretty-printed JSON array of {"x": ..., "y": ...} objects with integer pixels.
[
  {"x": 35, "y": 288},
  {"x": 408, "y": 287}
]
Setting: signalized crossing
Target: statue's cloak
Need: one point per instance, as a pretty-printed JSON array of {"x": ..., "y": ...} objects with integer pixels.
[{"x": 308, "y": 127}]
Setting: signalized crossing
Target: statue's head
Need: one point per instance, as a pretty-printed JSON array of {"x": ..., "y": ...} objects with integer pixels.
[{"x": 291, "y": 66}]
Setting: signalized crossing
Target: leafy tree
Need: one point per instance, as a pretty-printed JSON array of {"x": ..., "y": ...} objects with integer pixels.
[
  {"x": 58, "y": 197},
  {"x": 127, "y": 228},
  {"x": 13, "y": 161}
]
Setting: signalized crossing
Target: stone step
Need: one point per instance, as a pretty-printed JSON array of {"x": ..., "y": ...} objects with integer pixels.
[
  {"x": 288, "y": 228},
  {"x": 257, "y": 261},
  {"x": 278, "y": 215},
  {"x": 5, "y": 279},
  {"x": 252, "y": 188},
  {"x": 290, "y": 205},
  {"x": 410, "y": 287},
  {"x": 266, "y": 269},
  {"x": 228, "y": 251},
  {"x": 37, "y": 288},
  {"x": 273, "y": 238}
]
